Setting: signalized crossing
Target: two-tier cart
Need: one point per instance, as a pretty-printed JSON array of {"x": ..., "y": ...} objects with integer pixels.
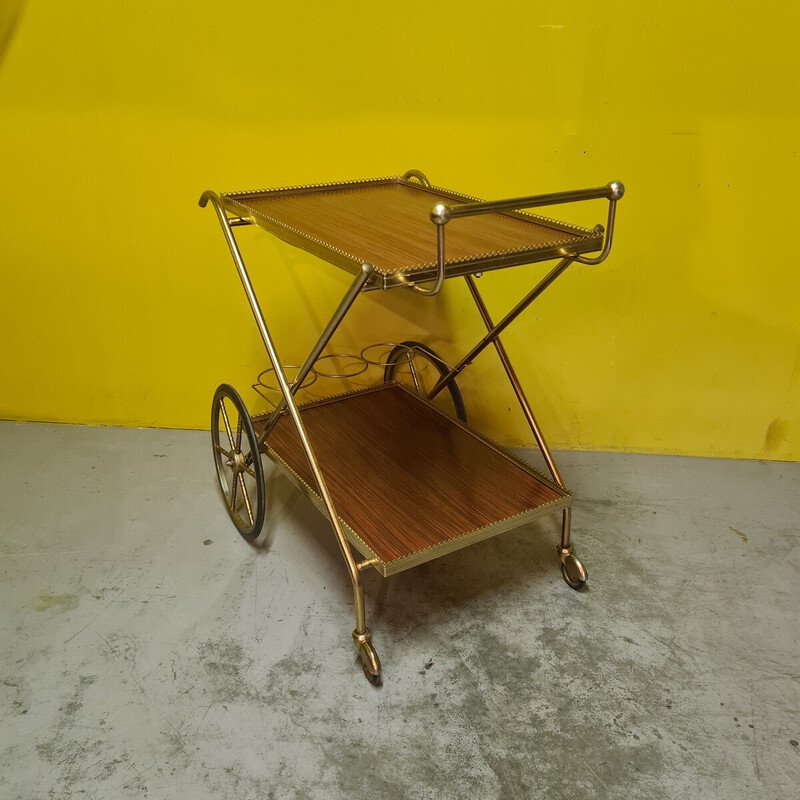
[{"x": 402, "y": 479}]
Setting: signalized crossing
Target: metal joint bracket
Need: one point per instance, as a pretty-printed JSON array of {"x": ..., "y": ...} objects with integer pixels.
[
  {"x": 564, "y": 552},
  {"x": 363, "y": 637}
]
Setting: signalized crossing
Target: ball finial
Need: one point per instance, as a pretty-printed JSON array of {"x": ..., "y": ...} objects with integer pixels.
[
  {"x": 616, "y": 189},
  {"x": 440, "y": 214}
]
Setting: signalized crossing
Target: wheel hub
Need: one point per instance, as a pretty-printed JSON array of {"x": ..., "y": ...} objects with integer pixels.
[{"x": 236, "y": 462}]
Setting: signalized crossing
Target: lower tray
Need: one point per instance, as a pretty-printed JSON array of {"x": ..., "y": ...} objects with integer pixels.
[{"x": 409, "y": 483}]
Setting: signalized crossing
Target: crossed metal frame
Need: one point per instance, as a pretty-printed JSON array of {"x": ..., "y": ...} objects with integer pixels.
[{"x": 440, "y": 215}]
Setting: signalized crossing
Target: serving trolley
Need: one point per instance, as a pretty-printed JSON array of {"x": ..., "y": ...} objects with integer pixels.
[{"x": 401, "y": 477}]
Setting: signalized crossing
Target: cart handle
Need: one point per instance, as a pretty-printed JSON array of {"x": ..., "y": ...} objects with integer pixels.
[
  {"x": 420, "y": 176},
  {"x": 441, "y": 214}
]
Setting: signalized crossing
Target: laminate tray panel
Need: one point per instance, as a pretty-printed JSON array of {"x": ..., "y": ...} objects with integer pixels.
[
  {"x": 408, "y": 481},
  {"x": 386, "y": 223}
]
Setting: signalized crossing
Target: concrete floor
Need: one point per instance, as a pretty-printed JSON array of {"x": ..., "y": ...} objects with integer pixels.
[{"x": 149, "y": 651}]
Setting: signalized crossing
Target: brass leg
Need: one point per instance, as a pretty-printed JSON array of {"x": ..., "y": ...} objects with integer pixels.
[
  {"x": 322, "y": 342},
  {"x": 362, "y": 638},
  {"x": 573, "y": 572},
  {"x": 496, "y": 330},
  {"x": 566, "y": 524},
  {"x": 514, "y": 380},
  {"x": 369, "y": 658}
]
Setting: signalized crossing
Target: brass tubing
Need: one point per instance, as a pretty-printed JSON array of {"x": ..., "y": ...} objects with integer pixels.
[
  {"x": 501, "y": 326},
  {"x": 355, "y": 575},
  {"x": 358, "y": 606},
  {"x": 566, "y": 523},
  {"x": 439, "y": 267},
  {"x": 611, "y": 191},
  {"x": 322, "y": 343},
  {"x": 515, "y": 384},
  {"x": 420, "y": 176},
  {"x": 612, "y": 212}
]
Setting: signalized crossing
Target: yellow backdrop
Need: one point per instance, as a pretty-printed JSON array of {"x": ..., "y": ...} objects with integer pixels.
[{"x": 121, "y": 305}]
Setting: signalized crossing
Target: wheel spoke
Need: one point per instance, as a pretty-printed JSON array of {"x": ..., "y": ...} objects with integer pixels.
[
  {"x": 223, "y": 451},
  {"x": 246, "y": 498},
  {"x": 410, "y": 356},
  {"x": 419, "y": 380},
  {"x": 227, "y": 423},
  {"x": 416, "y": 365},
  {"x": 239, "y": 435},
  {"x": 234, "y": 489},
  {"x": 250, "y": 473}
]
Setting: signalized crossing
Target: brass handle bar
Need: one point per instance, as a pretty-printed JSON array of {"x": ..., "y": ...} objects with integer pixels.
[
  {"x": 442, "y": 213},
  {"x": 420, "y": 176}
]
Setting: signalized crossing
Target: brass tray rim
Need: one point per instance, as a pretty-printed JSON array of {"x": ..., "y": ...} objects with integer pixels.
[
  {"x": 586, "y": 240},
  {"x": 386, "y": 568}
]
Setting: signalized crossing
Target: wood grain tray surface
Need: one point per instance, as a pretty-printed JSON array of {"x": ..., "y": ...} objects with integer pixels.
[
  {"x": 408, "y": 482},
  {"x": 385, "y": 222}
]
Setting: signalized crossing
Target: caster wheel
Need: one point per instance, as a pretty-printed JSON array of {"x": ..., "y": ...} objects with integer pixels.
[
  {"x": 573, "y": 572},
  {"x": 238, "y": 461},
  {"x": 419, "y": 367},
  {"x": 370, "y": 663}
]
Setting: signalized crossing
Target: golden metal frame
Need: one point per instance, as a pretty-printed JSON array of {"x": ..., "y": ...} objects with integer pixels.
[
  {"x": 234, "y": 204},
  {"x": 361, "y": 631},
  {"x": 231, "y": 213}
]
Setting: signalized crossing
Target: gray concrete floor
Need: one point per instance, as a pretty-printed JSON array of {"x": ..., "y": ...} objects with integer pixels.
[{"x": 149, "y": 651}]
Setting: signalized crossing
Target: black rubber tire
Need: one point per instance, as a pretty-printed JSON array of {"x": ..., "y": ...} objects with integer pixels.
[
  {"x": 247, "y": 527},
  {"x": 394, "y": 359}
]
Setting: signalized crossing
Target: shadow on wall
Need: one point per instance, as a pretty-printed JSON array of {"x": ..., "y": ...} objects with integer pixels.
[{"x": 10, "y": 15}]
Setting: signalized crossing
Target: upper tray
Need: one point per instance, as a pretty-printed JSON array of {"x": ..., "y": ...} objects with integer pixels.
[{"x": 385, "y": 222}]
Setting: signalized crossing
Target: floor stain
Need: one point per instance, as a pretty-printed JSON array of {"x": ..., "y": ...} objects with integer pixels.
[
  {"x": 61, "y": 602},
  {"x": 72, "y": 749},
  {"x": 739, "y": 534},
  {"x": 226, "y": 666},
  {"x": 21, "y": 702}
]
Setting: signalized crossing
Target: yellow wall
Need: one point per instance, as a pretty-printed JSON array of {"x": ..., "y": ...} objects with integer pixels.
[{"x": 121, "y": 306}]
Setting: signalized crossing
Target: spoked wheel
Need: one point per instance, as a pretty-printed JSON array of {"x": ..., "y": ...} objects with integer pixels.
[
  {"x": 419, "y": 367},
  {"x": 370, "y": 663},
  {"x": 238, "y": 462},
  {"x": 573, "y": 572}
]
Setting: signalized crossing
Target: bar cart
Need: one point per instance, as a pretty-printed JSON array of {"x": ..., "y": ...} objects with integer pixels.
[{"x": 361, "y": 455}]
